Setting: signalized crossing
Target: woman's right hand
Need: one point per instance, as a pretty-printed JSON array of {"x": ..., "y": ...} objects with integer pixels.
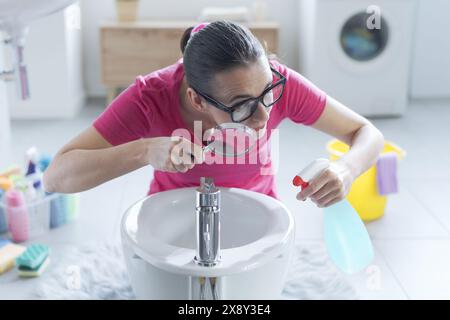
[{"x": 173, "y": 154}]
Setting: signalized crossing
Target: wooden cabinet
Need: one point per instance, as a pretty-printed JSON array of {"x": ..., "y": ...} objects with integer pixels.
[{"x": 137, "y": 48}]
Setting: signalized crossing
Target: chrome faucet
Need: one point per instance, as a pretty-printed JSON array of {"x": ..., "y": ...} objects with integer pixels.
[
  {"x": 208, "y": 223},
  {"x": 208, "y": 234}
]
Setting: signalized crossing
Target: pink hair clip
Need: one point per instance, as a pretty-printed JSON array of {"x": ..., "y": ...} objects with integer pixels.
[{"x": 199, "y": 27}]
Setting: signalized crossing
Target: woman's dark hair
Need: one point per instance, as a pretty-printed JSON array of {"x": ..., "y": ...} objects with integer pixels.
[{"x": 219, "y": 46}]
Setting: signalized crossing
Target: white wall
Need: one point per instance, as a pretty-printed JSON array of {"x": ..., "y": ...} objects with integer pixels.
[
  {"x": 5, "y": 151},
  {"x": 431, "y": 57},
  {"x": 94, "y": 12}
]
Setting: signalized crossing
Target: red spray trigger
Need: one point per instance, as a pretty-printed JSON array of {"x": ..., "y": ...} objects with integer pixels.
[
  {"x": 299, "y": 182},
  {"x": 310, "y": 172}
]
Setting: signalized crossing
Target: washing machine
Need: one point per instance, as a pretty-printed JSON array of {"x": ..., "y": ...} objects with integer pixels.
[{"x": 359, "y": 51}]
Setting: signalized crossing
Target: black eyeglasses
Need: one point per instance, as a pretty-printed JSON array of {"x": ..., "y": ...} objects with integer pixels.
[{"x": 243, "y": 110}]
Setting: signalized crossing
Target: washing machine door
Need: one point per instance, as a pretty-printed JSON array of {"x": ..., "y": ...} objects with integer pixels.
[{"x": 364, "y": 36}]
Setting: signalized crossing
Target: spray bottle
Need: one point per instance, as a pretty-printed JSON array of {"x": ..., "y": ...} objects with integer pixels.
[{"x": 346, "y": 238}]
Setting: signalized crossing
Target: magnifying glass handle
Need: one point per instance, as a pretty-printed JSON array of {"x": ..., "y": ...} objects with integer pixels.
[{"x": 205, "y": 149}]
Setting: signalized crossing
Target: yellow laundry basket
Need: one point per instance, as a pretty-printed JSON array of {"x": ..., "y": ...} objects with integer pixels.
[{"x": 363, "y": 195}]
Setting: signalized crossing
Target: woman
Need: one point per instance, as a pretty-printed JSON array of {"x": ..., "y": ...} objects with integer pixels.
[{"x": 225, "y": 76}]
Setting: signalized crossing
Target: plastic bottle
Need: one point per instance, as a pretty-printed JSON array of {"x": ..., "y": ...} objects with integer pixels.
[
  {"x": 5, "y": 184},
  {"x": 3, "y": 223},
  {"x": 72, "y": 204},
  {"x": 346, "y": 238},
  {"x": 17, "y": 212},
  {"x": 44, "y": 162},
  {"x": 59, "y": 208},
  {"x": 33, "y": 171}
]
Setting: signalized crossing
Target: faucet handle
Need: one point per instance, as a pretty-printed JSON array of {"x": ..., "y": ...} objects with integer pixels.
[
  {"x": 207, "y": 185},
  {"x": 208, "y": 195}
]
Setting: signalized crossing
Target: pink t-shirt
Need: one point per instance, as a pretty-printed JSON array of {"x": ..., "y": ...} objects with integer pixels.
[{"x": 150, "y": 107}]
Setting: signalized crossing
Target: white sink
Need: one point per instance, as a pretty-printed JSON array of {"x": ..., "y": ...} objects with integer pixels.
[
  {"x": 23, "y": 11},
  {"x": 159, "y": 242}
]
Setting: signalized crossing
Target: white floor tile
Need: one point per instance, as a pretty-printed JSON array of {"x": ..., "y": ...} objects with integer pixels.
[
  {"x": 433, "y": 195},
  {"x": 421, "y": 266},
  {"x": 406, "y": 217},
  {"x": 377, "y": 282}
]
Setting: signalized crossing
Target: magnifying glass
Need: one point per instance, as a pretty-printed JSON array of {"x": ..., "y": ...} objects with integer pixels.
[{"x": 230, "y": 139}]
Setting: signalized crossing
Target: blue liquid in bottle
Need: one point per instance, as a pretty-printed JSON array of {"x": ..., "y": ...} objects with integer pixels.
[{"x": 346, "y": 238}]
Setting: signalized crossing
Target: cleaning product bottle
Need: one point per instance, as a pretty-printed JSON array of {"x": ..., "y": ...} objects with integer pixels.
[
  {"x": 30, "y": 192},
  {"x": 3, "y": 222},
  {"x": 44, "y": 162},
  {"x": 17, "y": 213},
  {"x": 5, "y": 184},
  {"x": 14, "y": 169},
  {"x": 33, "y": 171},
  {"x": 59, "y": 208},
  {"x": 346, "y": 238},
  {"x": 72, "y": 207}
]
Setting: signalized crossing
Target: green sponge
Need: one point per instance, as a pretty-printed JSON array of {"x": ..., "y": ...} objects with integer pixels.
[
  {"x": 33, "y": 256},
  {"x": 34, "y": 272}
]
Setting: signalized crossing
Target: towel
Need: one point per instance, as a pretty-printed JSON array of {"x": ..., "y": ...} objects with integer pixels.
[
  {"x": 103, "y": 275},
  {"x": 387, "y": 173}
]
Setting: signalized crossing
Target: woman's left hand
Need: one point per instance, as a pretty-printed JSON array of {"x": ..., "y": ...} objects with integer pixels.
[{"x": 329, "y": 187}]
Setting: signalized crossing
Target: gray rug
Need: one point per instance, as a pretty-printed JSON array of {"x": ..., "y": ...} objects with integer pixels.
[{"x": 99, "y": 272}]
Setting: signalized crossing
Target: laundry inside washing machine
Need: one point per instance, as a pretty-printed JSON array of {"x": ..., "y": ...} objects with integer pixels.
[{"x": 360, "y": 42}]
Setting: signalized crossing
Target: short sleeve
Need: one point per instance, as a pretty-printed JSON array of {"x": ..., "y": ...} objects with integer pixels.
[
  {"x": 128, "y": 117},
  {"x": 303, "y": 102}
]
